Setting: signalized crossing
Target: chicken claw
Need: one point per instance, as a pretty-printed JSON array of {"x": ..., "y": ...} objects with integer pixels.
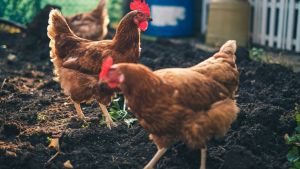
[{"x": 109, "y": 122}]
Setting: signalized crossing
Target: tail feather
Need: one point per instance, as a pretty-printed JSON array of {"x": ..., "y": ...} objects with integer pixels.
[
  {"x": 100, "y": 9},
  {"x": 102, "y": 13},
  {"x": 222, "y": 114},
  {"x": 101, "y": 6},
  {"x": 214, "y": 123},
  {"x": 229, "y": 47},
  {"x": 57, "y": 26}
]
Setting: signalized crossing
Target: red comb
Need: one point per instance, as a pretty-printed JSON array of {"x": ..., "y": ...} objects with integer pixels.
[
  {"x": 107, "y": 63},
  {"x": 140, "y": 5}
]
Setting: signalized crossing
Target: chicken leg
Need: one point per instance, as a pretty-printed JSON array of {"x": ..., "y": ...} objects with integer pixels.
[
  {"x": 78, "y": 110},
  {"x": 109, "y": 122},
  {"x": 203, "y": 158},
  {"x": 157, "y": 156}
]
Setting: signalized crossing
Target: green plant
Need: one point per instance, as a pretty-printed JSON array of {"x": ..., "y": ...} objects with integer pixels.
[
  {"x": 3, "y": 4},
  {"x": 130, "y": 121},
  {"x": 115, "y": 10},
  {"x": 256, "y": 54},
  {"x": 40, "y": 117},
  {"x": 120, "y": 113},
  {"x": 85, "y": 125},
  {"x": 72, "y": 7},
  {"x": 19, "y": 10},
  {"x": 293, "y": 155},
  {"x": 23, "y": 11},
  {"x": 48, "y": 140},
  {"x": 116, "y": 112}
]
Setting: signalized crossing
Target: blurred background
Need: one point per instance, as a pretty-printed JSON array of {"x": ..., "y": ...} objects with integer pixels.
[
  {"x": 261, "y": 25},
  {"x": 23, "y": 11},
  {"x": 33, "y": 108}
]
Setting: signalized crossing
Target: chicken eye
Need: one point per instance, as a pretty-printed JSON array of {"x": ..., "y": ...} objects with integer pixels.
[
  {"x": 140, "y": 14},
  {"x": 111, "y": 72}
]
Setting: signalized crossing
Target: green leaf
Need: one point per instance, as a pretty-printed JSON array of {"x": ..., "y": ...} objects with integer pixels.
[
  {"x": 117, "y": 99},
  {"x": 297, "y": 165},
  {"x": 293, "y": 155},
  {"x": 298, "y": 119},
  {"x": 130, "y": 121},
  {"x": 293, "y": 139}
]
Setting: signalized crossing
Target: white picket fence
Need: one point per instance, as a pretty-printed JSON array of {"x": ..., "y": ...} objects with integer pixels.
[{"x": 275, "y": 23}]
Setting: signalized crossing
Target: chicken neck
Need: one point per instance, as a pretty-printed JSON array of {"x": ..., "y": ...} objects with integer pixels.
[
  {"x": 141, "y": 86},
  {"x": 127, "y": 35}
]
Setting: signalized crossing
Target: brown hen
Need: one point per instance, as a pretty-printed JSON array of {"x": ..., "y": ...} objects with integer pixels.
[
  {"x": 77, "y": 61},
  {"x": 92, "y": 25},
  {"x": 181, "y": 104}
]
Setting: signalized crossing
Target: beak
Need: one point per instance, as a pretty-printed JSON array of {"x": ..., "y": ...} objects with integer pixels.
[
  {"x": 150, "y": 19},
  {"x": 100, "y": 82}
]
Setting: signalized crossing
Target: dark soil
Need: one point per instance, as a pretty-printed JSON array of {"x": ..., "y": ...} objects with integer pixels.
[{"x": 33, "y": 108}]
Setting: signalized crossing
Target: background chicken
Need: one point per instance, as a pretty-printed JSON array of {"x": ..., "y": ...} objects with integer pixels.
[
  {"x": 77, "y": 61},
  {"x": 181, "y": 104},
  {"x": 93, "y": 25}
]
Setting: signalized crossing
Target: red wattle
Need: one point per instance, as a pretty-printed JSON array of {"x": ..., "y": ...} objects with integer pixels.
[
  {"x": 106, "y": 64},
  {"x": 143, "y": 25}
]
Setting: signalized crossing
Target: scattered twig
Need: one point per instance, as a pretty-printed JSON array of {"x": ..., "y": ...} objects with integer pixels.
[
  {"x": 3, "y": 83},
  {"x": 52, "y": 158},
  {"x": 54, "y": 144}
]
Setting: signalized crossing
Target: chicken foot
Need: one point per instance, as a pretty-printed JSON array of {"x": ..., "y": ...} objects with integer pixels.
[
  {"x": 109, "y": 122},
  {"x": 157, "y": 156},
  {"x": 203, "y": 158},
  {"x": 78, "y": 110}
]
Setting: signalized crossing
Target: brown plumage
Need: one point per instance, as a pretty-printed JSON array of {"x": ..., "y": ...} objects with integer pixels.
[
  {"x": 77, "y": 61},
  {"x": 181, "y": 104},
  {"x": 221, "y": 67},
  {"x": 92, "y": 25}
]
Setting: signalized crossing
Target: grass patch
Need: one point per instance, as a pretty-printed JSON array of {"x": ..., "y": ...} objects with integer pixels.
[
  {"x": 260, "y": 55},
  {"x": 257, "y": 54}
]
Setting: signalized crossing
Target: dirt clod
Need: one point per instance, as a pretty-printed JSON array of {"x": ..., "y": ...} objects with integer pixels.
[{"x": 11, "y": 129}]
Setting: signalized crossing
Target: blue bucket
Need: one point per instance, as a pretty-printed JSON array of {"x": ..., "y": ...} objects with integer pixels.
[{"x": 171, "y": 18}]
